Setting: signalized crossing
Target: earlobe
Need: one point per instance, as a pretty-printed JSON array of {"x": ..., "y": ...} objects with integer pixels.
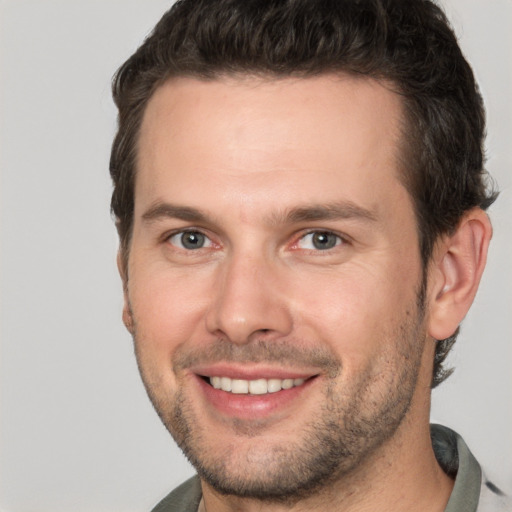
[
  {"x": 127, "y": 312},
  {"x": 458, "y": 264}
]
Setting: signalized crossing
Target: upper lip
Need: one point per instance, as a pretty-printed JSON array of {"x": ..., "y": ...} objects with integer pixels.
[{"x": 252, "y": 372}]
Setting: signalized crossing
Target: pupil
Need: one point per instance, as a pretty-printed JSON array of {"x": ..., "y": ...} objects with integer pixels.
[
  {"x": 324, "y": 240},
  {"x": 192, "y": 240}
]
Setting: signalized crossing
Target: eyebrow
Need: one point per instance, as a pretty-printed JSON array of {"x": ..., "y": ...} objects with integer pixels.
[
  {"x": 315, "y": 212},
  {"x": 330, "y": 211},
  {"x": 170, "y": 211}
]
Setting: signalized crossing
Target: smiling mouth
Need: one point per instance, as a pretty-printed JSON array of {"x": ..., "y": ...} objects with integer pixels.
[{"x": 253, "y": 387}]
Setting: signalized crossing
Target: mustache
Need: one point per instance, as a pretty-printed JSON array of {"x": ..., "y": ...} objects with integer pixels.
[{"x": 260, "y": 351}]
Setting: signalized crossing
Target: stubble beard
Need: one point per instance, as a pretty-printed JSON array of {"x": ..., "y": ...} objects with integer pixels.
[{"x": 334, "y": 443}]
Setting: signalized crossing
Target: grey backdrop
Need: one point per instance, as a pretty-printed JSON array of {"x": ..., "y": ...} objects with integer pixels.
[{"x": 77, "y": 432}]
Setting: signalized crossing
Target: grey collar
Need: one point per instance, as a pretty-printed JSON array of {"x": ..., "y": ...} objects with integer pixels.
[{"x": 457, "y": 461}]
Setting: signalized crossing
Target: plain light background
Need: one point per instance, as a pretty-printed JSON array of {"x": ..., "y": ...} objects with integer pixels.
[{"x": 77, "y": 432}]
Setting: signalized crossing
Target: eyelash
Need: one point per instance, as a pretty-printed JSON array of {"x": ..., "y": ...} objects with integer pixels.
[
  {"x": 339, "y": 240},
  {"x": 184, "y": 232}
]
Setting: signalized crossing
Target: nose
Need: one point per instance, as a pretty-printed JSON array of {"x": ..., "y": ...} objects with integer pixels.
[{"x": 248, "y": 301}]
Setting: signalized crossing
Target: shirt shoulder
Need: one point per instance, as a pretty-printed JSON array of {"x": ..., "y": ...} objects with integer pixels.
[
  {"x": 184, "y": 498},
  {"x": 472, "y": 491}
]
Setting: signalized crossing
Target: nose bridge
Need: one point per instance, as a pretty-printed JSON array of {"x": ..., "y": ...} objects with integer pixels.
[{"x": 246, "y": 299}]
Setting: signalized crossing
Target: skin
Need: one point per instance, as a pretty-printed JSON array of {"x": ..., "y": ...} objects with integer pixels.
[{"x": 257, "y": 166}]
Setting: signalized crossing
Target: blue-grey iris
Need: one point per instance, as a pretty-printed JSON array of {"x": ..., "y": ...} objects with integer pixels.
[
  {"x": 324, "y": 240},
  {"x": 192, "y": 240}
]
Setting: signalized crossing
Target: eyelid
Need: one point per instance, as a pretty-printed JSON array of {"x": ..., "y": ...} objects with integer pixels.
[
  {"x": 166, "y": 238},
  {"x": 342, "y": 239}
]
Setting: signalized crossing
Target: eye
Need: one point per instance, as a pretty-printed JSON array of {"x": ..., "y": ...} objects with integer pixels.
[
  {"x": 190, "y": 240},
  {"x": 319, "y": 241}
]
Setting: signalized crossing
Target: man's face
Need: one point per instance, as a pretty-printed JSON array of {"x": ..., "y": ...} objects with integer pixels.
[{"x": 274, "y": 276}]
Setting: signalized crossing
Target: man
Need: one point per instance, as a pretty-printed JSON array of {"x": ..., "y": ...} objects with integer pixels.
[{"x": 300, "y": 199}]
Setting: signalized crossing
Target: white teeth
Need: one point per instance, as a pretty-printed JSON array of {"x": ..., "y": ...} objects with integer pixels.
[
  {"x": 274, "y": 385},
  {"x": 225, "y": 384},
  {"x": 240, "y": 387},
  {"x": 287, "y": 383},
  {"x": 254, "y": 387},
  {"x": 258, "y": 387}
]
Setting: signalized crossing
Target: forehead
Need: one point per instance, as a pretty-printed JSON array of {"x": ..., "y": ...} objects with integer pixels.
[{"x": 247, "y": 138}]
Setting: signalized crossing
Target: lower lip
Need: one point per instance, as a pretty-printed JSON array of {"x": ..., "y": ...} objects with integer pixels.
[{"x": 247, "y": 406}]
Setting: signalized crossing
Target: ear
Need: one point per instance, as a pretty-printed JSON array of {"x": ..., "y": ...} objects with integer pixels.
[
  {"x": 458, "y": 263},
  {"x": 127, "y": 312}
]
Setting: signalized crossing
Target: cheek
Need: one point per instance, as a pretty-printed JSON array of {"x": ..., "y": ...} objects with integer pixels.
[
  {"x": 168, "y": 309},
  {"x": 355, "y": 310}
]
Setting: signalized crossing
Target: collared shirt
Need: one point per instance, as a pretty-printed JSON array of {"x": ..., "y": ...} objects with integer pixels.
[{"x": 472, "y": 491}]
